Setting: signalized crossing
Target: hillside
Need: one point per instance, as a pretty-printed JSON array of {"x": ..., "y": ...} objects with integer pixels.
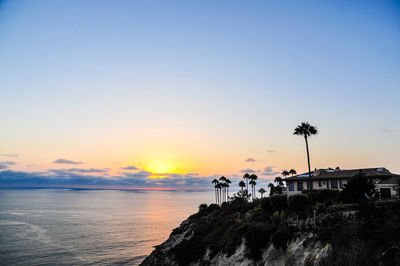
[{"x": 281, "y": 231}]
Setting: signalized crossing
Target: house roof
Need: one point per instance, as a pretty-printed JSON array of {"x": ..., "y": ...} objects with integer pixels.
[
  {"x": 379, "y": 172},
  {"x": 394, "y": 180}
]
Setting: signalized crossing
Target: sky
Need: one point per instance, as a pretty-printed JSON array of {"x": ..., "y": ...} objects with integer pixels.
[{"x": 170, "y": 94}]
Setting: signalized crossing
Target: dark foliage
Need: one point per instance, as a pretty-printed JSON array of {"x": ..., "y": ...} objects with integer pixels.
[
  {"x": 359, "y": 188},
  {"x": 298, "y": 202},
  {"x": 281, "y": 238},
  {"x": 202, "y": 207},
  {"x": 257, "y": 237},
  {"x": 278, "y": 202},
  {"x": 325, "y": 196}
]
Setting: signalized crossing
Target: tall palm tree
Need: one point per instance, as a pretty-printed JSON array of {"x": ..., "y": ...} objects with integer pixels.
[
  {"x": 285, "y": 173},
  {"x": 222, "y": 180},
  {"x": 219, "y": 187},
  {"x": 253, "y": 177},
  {"x": 278, "y": 180},
  {"x": 215, "y": 182},
  {"x": 246, "y": 177},
  {"x": 292, "y": 172},
  {"x": 253, "y": 184},
  {"x": 227, "y": 181},
  {"x": 306, "y": 130},
  {"x": 262, "y": 191}
]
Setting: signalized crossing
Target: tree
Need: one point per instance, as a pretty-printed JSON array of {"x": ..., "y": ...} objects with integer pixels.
[
  {"x": 227, "y": 181},
  {"x": 219, "y": 187},
  {"x": 261, "y": 191},
  {"x": 222, "y": 180},
  {"x": 292, "y": 172},
  {"x": 306, "y": 130},
  {"x": 359, "y": 188},
  {"x": 279, "y": 181},
  {"x": 215, "y": 182},
  {"x": 246, "y": 177},
  {"x": 271, "y": 189},
  {"x": 242, "y": 185},
  {"x": 253, "y": 183},
  {"x": 285, "y": 173}
]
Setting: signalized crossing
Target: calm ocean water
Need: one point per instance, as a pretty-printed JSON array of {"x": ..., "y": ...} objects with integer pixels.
[{"x": 44, "y": 226}]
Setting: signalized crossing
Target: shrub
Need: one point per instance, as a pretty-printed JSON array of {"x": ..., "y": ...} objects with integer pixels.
[
  {"x": 281, "y": 238},
  {"x": 325, "y": 196},
  {"x": 357, "y": 188},
  {"x": 257, "y": 238},
  {"x": 278, "y": 202},
  {"x": 202, "y": 207},
  {"x": 298, "y": 203},
  {"x": 266, "y": 205}
]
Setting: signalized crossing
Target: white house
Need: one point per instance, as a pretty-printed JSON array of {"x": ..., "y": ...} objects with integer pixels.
[{"x": 335, "y": 179}]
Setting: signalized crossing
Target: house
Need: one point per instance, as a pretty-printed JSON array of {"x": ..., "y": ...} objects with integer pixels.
[{"x": 335, "y": 179}]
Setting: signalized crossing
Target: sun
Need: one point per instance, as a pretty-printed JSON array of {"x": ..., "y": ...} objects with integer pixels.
[{"x": 161, "y": 169}]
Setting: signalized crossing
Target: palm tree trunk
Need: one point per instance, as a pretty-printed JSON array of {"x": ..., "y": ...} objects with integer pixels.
[{"x": 309, "y": 167}]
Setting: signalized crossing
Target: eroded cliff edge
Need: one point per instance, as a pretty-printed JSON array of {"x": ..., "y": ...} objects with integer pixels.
[{"x": 242, "y": 233}]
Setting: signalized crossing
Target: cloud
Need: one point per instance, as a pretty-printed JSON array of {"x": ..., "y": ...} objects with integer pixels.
[
  {"x": 248, "y": 170},
  {"x": 65, "y": 161},
  {"x": 79, "y": 170},
  {"x": 65, "y": 178},
  {"x": 271, "y": 151},
  {"x": 8, "y": 163},
  {"x": 269, "y": 171},
  {"x": 250, "y": 160},
  {"x": 3, "y": 166},
  {"x": 10, "y": 155},
  {"x": 131, "y": 167}
]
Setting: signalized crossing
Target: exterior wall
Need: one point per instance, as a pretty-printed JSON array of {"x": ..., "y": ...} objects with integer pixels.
[{"x": 325, "y": 184}]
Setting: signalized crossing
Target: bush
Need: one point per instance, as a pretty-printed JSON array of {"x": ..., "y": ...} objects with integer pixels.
[
  {"x": 266, "y": 205},
  {"x": 298, "y": 203},
  {"x": 278, "y": 202},
  {"x": 356, "y": 189},
  {"x": 281, "y": 238},
  {"x": 326, "y": 196},
  {"x": 202, "y": 207}
]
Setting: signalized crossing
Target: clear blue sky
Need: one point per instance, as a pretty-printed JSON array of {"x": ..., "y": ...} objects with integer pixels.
[{"x": 199, "y": 86}]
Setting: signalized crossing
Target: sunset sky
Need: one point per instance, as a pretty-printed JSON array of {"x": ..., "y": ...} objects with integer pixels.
[{"x": 169, "y": 94}]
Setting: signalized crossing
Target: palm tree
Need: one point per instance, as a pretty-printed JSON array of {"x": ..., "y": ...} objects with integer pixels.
[
  {"x": 306, "y": 130},
  {"x": 222, "y": 180},
  {"x": 246, "y": 177},
  {"x": 278, "y": 180},
  {"x": 227, "y": 181},
  {"x": 219, "y": 187},
  {"x": 271, "y": 189},
  {"x": 253, "y": 178},
  {"x": 242, "y": 185},
  {"x": 262, "y": 191},
  {"x": 292, "y": 172},
  {"x": 285, "y": 173},
  {"x": 215, "y": 182},
  {"x": 252, "y": 183}
]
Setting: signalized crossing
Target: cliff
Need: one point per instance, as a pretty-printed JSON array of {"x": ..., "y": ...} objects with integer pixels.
[{"x": 241, "y": 233}]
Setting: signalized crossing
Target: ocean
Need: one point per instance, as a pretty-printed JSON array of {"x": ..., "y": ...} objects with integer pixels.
[{"x": 85, "y": 227}]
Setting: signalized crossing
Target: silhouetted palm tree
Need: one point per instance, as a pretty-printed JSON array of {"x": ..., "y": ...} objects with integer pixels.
[
  {"x": 219, "y": 187},
  {"x": 292, "y": 172},
  {"x": 262, "y": 191},
  {"x": 271, "y": 188},
  {"x": 222, "y": 180},
  {"x": 242, "y": 185},
  {"x": 227, "y": 188},
  {"x": 246, "y": 177},
  {"x": 215, "y": 182},
  {"x": 278, "y": 180},
  {"x": 285, "y": 173},
  {"x": 306, "y": 130},
  {"x": 253, "y": 184},
  {"x": 253, "y": 177}
]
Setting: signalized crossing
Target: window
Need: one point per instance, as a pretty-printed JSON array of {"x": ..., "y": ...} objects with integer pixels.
[
  {"x": 340, "y": 183},
  {"x": 291, "y": 187},
  {"x": 327, "y": 184},
  {"x": 300, "y": 185},
  {"x": 319, "y": 183},
  {"x": 334, "y": 184}
]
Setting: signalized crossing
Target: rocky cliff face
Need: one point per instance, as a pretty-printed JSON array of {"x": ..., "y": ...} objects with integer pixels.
[{"x": 247, "y": 234}]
